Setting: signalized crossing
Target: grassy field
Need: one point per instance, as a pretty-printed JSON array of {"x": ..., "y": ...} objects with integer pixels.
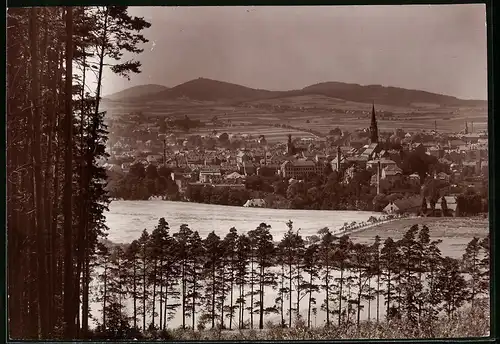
[
  {"x": 455, "y": 232},
  {"x": 322, "y": 114}
]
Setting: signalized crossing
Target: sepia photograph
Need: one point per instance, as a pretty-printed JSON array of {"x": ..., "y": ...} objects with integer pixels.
[{"x": 247, "y": 173}]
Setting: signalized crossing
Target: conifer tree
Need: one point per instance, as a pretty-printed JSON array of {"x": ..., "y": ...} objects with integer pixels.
[
  {"x": 212, "y": 267},
  {"x": 264, "y": 252},
  {"x": 326, "y": 262},
  {"x": 311, "y": 268},
  {"x": 243, "y": 252},
  {"x": 230, "y": 265},
  {"x": 471, "y": 261},
  {"x": 144, "y": 268},
  {"x": 451, "y": 286},
  {"x": 183, "y": 248},
  {"x": 194, "y": 275},
  {"x": 389, "y": 259}
]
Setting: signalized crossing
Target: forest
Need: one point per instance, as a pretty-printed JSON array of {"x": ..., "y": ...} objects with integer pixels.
[
  {"x": 222, "y": 283},
  {"x": 55, "y": 136}
]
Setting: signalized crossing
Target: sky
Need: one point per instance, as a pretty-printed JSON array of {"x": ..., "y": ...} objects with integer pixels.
[{"x": 436, "y": 48}]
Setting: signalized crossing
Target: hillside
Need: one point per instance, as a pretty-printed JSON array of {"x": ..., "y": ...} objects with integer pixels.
[
  {"x": 208, "y": 90},
  {"x": 203, "y": 89},
  {"x": 136, "y": 92},
  {"x": 385, "y": 95}
]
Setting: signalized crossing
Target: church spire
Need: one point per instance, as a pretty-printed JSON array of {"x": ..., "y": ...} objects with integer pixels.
[{"x": 373, "y": 126}]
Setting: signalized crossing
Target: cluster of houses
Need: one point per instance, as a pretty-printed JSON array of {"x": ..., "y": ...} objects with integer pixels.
[{"x": 465, "y": 155}]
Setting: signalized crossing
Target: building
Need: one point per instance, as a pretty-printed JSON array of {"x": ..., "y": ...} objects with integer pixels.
[
  {"x": 209, "y": 175},
  {"x": 411, "y": 205},
  {"x": 299, "y": 169},
  {"x": 257, "y": 202},
  {"x": 451, "y": 206}
]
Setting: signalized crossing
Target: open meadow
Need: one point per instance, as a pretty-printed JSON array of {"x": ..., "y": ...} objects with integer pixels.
[{"x": 313, "y": 112}]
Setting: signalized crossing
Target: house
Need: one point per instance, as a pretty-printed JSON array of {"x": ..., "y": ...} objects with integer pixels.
[
  {"x": 209, "y": 175},
  {"x": 234, "y": 176},
  {"x": 181, "y": 180},
  {"x": 126, "y": 167},
  {"x": 298, "y": 169},
  {"x": 370, "y": 152},
  {"x": 242, "y": 157},
  {"x": 451, "y": 206},
  {"x": 391, "y": 172},
  {"x": 383, "y": 163},
  {"x": 411, "y": 205},
  {"x": 443, "y": 177},
  {"x": 154, "y": 158},
  {"x": 257, "y": 202}
]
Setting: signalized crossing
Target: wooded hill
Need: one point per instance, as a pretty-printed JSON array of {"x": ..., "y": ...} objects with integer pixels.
[{"x": 212, "y": 90}]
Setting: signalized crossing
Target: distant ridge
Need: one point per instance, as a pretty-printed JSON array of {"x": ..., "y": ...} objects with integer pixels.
[
  {"x": 204, "y": 89},
  {"x": 136, "y": 92}
]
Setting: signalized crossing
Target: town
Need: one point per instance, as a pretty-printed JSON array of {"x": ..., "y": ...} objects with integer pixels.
[{"x": 425, "y": 172}]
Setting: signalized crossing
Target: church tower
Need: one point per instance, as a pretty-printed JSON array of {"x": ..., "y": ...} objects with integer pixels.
[
  {"x": 289, "y": 147},
  {"x": 373, "y": 127}
]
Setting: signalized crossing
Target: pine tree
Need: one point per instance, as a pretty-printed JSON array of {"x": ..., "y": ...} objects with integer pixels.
[
  {"x": 292, "y": 246},
  {"x": 212, "y": 267},
  {"x": 409, "y": 283},
  {"x": 311, "y": 268},
  {"x": 389, "y": 259},
  {"x": 132, "y": 261},
  {"x": 156, "y": 252},
  {"x": 471, "y": 266},
  {"x": 243, "y": 252},
  {"x": 194, "y": 275},
  {"x": 376, "y": 269},
  {"x": 451, "y": 286},
  {"x": 341, "y": 257},
  {"x": 183, "y": 248},
  {"x": 144, "y": 268},
  {"x": 326, "y": 262},
  {"x": 264, "y": 252},
  {"x": 230, "y": 261}
]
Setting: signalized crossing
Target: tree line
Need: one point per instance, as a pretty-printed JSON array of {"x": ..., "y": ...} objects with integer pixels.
[
  {"x": 222, "y": 282},
  {"x": 56, "y": 133}
]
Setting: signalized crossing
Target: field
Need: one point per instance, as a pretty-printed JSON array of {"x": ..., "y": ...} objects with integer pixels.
[
  {"x": 314, "y": 112},
  {"x": 455, "y": 232}
]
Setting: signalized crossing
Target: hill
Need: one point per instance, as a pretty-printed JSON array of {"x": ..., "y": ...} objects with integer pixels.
[
  {"x": 209, "y": 90},
  {"x": 203, "y": 89},
  {"x": 385, "y": 95},
  {"x": 136, "y": 92}
]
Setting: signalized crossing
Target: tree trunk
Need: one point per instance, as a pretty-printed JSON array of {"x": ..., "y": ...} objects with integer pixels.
[
  {"x": 340, "y": 293},
  {"x": 310, "y": 302},
  {"x": 154, "y": 295},
  {"x": 37, "y": 167},
  {"x": 68, "y": 188}
]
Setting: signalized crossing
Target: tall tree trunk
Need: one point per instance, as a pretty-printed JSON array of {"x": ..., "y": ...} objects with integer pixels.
[
  {"x": 310, "y": 301},
  {"x": 261, "y": 306},
  {"x": 378, "y": 296},
  {"x": 144, "y": 291},
  {"x": 231, "y": 297},
  {"x": 68, "y": 188},
  {"x": 161, "y": 295},
  {"x": 135, "y": 293},
  {"x": 101, "y": 60},
  {"x": 105, "y": 297},
  {"x": 290, "y": 292},
  {"x": 340, "y": 293},
  {"x": 37, "y": 167},
  {"x": 327, "y": 287},
  {"x": 154, "y": 295}
]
